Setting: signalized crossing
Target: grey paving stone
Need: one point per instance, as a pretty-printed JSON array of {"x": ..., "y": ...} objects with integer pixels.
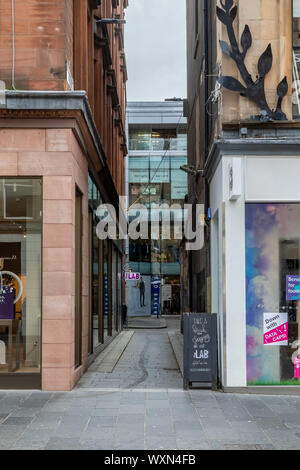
[
  {"x": 131, "y": 419},
  {"x": 253, "y": 437},
  {"x": 156, "y": 443},
  {"x": 36, "y": 435},
  {"x": 132, "y": 409},
  {"x": 283, "y": 436},
  {"x": 62, "y": 444},
  {"x": 105, "y": 412},
  {"x": 28, "y": 446},
  {"x": 245, "y": 426},
  {"x": 91, "y": 444},
  {"x": 46, "y": 420},
  {"x": 192, "y": 444},
  {"x": 24, "y": 412},
  {"x": 164, "y": 429},
  {"x": 102, "y": 421},
  {"x": 7, "y": 444},
  {"x": 162, "y": 412},
  {"x": 97, "y": 434},
  {"x": 11, "y": 432},
  {"x": 17, "y": 421},
  {"x": 3, "y": 417},
  {"x": 270, "y": 423}
]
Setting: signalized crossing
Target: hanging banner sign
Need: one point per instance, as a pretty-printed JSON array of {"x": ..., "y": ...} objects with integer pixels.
[
  {"x": 155, "y": 295},
  {"x": 292, "y": 287},
  {"x": 275, "y": 329}
]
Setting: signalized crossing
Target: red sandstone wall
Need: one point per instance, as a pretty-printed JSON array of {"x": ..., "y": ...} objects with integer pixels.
[
  {"x": 43, "y": 43},
  {"x": 55, "y": 155}
]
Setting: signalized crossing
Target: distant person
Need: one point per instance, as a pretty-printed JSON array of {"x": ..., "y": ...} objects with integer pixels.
[{"x": 142, "y": 292}]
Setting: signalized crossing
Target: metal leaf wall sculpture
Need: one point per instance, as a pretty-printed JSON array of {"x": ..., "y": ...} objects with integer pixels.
[{"x": 253, "y": 90}]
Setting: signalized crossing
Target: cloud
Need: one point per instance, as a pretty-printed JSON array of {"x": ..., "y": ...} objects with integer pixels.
[{"x": 155, "y": 42}]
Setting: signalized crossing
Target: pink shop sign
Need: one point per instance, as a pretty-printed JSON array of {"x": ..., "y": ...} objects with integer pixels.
[
  {"x": 297, "y": 368},
  {"x": 132, "y": 276},
  {"x": 275, "y": 329}
]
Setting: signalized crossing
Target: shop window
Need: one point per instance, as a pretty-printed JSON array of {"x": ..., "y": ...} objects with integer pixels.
[
  {"x": 273, "y": 293},
  {"x": 20, "y": 275}
]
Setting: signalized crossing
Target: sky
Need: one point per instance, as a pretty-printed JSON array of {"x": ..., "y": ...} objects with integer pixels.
[{"x": 155, "y": 43}]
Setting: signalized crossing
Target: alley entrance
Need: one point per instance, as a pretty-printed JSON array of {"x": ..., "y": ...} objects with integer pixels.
[{"x": 147, "y": 362}]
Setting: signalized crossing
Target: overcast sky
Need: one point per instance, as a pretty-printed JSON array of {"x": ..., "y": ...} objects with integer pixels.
[{"x": 155, "y": 41}]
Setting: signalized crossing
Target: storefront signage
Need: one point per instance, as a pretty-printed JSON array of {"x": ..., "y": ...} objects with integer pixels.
[
  {"x": 7, "y": 298},
  {"x": 155, "y": 295},
  {"x": 275, "y": 329},
  {"x": 132, "y": 276},
  {"x": 292, "y": 287},
  {"x": 200, "y": 348}
]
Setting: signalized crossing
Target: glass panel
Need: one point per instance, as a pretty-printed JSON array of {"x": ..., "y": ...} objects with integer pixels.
[
  {"x": 138, "y": 169},
  {"x": 160, "y": 169},
  {"x": 95, "y": 286},
  {"x": 78, "y": 278},
  {"x": 161, "y": 139},
  {"x": 273, "y": 293},
  {"x": 105, "y": 288},
  {"x": 139, "y": 140},
  {"x": 114, "y": 288},
  {"x": 20, "y": 275}
]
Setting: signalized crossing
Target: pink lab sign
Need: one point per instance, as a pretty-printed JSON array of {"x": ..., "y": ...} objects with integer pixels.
[
  {"x": 132, "y": 276},
  {"x": 277, "y": 335},
  {"x": 297, "y": 368}
]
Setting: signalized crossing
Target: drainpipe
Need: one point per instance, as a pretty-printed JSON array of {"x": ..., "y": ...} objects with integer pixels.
[{"x": 207, "y": 129}]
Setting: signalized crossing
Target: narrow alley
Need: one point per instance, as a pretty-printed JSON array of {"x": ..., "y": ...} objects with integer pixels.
[{"x": 141, "y": 405}]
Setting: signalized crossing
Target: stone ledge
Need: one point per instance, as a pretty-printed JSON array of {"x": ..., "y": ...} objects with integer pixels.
[
  {"x": 176, "y": 340},
  {"x": 108, "y": 359}
]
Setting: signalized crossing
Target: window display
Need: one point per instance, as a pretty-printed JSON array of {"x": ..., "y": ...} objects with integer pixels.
[
  {"x": 272, "y": 290},
  {"x": 20, "y": 274}
]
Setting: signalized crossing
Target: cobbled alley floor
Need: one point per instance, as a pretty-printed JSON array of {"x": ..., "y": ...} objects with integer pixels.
[{"x": 141, "y": 405}]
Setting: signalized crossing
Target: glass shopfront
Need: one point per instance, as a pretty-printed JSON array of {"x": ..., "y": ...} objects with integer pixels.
[
  {"x": 20, "y": 279},
  {"x": 105, "y": 274},
  {"x": 273, "y": 294}
]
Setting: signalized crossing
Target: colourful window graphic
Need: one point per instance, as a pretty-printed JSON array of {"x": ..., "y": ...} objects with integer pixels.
[{"x": 273, "y": 293}]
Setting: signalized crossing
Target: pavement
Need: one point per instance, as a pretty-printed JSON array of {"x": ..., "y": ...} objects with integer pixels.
[
  {"x": 141, "y": 405},
  {"x": 149, "y": 322}
]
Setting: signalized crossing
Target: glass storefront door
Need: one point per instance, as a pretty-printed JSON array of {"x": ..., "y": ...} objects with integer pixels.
[
  {"x": 273, "y": 294},
  {"x": 20, "y": 278}
]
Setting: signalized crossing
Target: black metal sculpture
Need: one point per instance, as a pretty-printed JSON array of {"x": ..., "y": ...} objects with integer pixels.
[{"x": 254, "y": 90}]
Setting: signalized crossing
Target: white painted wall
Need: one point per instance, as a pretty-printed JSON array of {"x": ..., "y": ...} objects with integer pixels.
[
  {"x": 216, "y": 201},
  {"x": 232, "y": 318},
  {"x": 274, "y": 179}
]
